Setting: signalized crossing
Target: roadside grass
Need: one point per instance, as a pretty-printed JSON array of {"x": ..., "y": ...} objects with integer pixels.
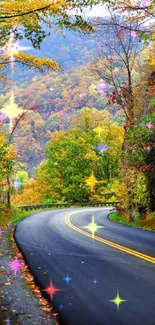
[
  {"x": 15, "y": 215},
  {"x": 12, "y": 216},
  {"x": 148, "y": 224},
  {"x": 8, "y": 236}
]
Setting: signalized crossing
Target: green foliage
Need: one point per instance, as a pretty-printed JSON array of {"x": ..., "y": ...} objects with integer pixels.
[
  {"x": 141, "y": 195},
  {"x": 141, "y": 155},
  {"x": 7, "y": 157},
  {"x": 72, "y": 157},
  {"x": 22, "y": 176},
  {"x": 139, "y": 138},
  {"x": 74, "y": 169},
  {"x": 152, "y": 103},
  {"x": 67, "y": 164},
  {"x": 149, "y": 223}
]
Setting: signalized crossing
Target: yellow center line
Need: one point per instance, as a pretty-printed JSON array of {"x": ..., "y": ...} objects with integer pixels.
[{"x": 108, "y": 242}]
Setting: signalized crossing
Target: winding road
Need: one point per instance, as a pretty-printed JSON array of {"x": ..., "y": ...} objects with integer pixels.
[{"x": 106, "y": 277}]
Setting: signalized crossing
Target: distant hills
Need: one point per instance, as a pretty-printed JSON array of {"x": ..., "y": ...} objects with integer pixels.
[{"x": 56, "y": 97}]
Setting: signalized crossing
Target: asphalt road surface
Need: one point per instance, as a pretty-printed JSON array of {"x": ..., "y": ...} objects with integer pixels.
[{"x": 93, "y": 273}]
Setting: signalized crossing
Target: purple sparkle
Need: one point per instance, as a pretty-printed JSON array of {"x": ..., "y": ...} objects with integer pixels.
[
  {"x": 16, "y": 184},
  {"x": 61, "y": 306},
  {"x": 149, "y": 125},
  {"x": 102, "y": 87},
  {"x": 2, "y": 118},
  {"x": 1, "y": 232},
  {"x": 16, "y": 265},
  {"x": 102, "y": 148},
  {"x": 95, "y": 281},
  {"x": 133, "y": 34},
  {"x": 144, "y": 3},
  {"x": 8, "y": 321}
]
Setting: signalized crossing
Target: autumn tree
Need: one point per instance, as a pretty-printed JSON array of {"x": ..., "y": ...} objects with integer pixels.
[
  {"x": 75, "y": 169},
  {"x": 120, "y": 67},
  {"x": 137, "y": 10},
  {"x": 68, "y": 162},
  {"x": 28, "y": 195},
  {"x": 116, "y": 66},
  {"x": 141, "y": 155},
  {"x": 30, "y": 20},
  {"x": 141, "y": 140},
  {"x": 7, "y": 162}
]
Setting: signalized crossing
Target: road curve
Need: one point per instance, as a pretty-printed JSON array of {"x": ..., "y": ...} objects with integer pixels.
[{"x": 118, "y": 262}]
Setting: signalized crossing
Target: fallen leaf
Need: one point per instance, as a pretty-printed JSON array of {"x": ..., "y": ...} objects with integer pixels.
[{"x": 7, "y": 283}]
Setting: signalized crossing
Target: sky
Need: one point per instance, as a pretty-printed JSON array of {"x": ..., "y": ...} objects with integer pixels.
[
  {"x": 101, "y": 11},
  {"x": 96, "y": 11}
]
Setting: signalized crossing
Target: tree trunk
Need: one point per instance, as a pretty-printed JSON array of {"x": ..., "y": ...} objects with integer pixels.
[
  {"x": 126, "y": 165},
  {"x": 150, "y": 174},
  {"x": 108, "y": 172},
  {"x": 8, "y": 192},
  {"x": 151, "y": 188}
]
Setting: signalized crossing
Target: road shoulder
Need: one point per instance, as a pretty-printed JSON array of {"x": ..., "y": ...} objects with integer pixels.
[{"x": 18, "y": 303}]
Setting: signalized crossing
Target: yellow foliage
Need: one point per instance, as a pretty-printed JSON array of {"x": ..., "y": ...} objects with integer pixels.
[
  {"x": 7, "y": 156},
  {"x": 38, "y": 63},
  {"x": 91, "y": 156},
  {"x": 13, "y": 9},
  {"x": 149, "y": 54},
  {"x": 99, "y": 130},
  {"x": 91, "y": 181},
  {"x": 29, "y": 196},
  {"x": 31, "y": 14}
]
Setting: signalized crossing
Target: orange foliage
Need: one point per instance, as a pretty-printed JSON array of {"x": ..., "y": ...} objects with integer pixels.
[{"x": 29, "y": 196}]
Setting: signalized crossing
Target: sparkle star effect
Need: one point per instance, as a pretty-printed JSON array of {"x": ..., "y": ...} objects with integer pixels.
[
  {"x": 133, "y": 34},
  {"x": 11, "y": 110},
  {"x": 149, "y": 125},
  {"x": 144, "y": 3},
  {"x": 95, "y": 281},
  {"x": 99, "y": 130},
  {"x": 101, "y": 87},
  {"x": 51, "y": 290},
  {"x": 16, "y": 265},
  {"x": 51, "y": 89},
  {"x": 117, "y": 300},
  {"x": 13, "y": 47},
  {"x": 91, "y": 181},
  {"x": 8, "y": 321},
  {"x": 17, "y": 184},
  {"x": 67, "y": 279},
  {"x": 102, "y": 148},
  {"x": 10, "y": 49},
  {"x": 61, "y": 306},
  {"x": 92, "y": 227},
  {"x": 2, "y": 118},
  {"x": 1, "y": 232}
]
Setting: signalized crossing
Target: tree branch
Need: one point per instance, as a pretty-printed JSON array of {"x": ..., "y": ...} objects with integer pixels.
[{"x": 25, "y": 13}]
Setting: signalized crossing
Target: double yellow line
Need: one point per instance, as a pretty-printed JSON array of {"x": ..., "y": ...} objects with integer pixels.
[{"x": 108, "y": 242}]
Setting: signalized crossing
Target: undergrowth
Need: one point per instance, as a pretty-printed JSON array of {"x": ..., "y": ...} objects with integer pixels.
[{"x": 148, "y": 223}]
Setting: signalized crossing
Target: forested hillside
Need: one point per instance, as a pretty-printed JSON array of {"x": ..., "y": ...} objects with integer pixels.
[{"x": 57, "y": 98}]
